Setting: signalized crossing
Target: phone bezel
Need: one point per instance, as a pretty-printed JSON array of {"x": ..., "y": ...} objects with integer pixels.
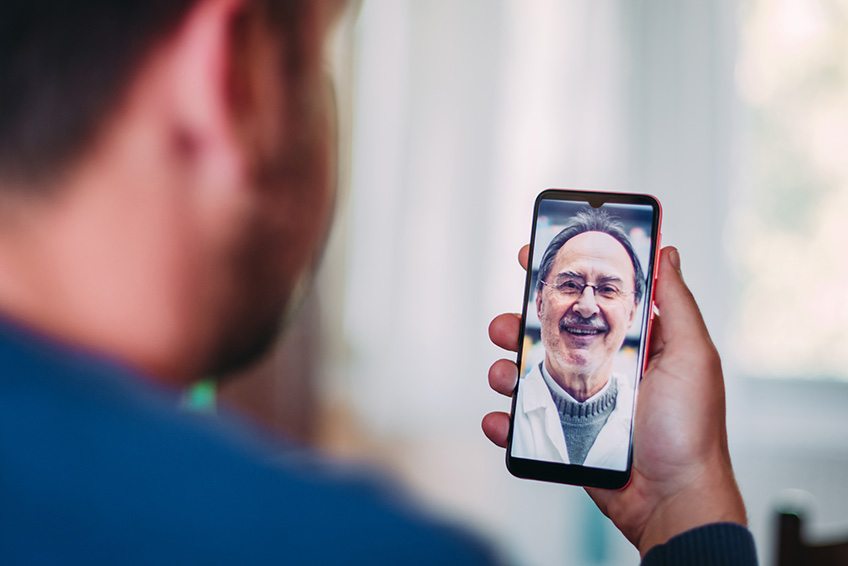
[{"x": 570, "y": 473}]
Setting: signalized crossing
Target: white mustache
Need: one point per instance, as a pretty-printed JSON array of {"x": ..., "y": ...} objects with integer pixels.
[{"x": 592, "y": 323}]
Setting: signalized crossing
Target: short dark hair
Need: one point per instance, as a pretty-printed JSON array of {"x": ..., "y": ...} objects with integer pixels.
[
  {"x": 66, "y": 65},
  {"x": 593, "y": 220}
]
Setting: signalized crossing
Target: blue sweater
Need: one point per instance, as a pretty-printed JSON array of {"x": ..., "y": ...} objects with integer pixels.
[{"x": 98, "y": 466}]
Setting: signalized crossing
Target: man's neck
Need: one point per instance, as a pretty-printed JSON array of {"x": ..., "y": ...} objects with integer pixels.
[
  {"x": 62, "y": 278},
  {"x": 581, "y": 386}
]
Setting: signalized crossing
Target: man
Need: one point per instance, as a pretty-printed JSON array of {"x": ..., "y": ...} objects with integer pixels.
[
  {"x": 165, "y": 186},
  {"x": 571, "y": 408},
  {"x": 164, "y": 191}
]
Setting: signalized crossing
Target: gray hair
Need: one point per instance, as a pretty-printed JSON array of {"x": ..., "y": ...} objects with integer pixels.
[{"x": 593, "y": 220}]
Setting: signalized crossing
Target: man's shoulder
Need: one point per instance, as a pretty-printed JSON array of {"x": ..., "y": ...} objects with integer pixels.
[
  {"x": 532, "y": 393},
  {"x": 96, "y": 465}
]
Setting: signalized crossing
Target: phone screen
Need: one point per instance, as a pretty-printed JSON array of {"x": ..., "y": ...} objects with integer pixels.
[{"x": 584, "y": 335}]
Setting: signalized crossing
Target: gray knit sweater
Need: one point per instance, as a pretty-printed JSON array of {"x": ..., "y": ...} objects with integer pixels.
[{"x": 581, "y": 422}]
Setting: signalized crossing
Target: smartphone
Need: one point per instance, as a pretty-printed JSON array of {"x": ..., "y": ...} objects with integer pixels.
[{"x": 585, "y": 326}]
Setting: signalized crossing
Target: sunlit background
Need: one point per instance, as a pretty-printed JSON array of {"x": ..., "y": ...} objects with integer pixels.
[{"x": 454, "y": 115}]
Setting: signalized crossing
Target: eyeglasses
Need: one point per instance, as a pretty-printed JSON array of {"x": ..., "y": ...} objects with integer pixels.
[{"x": 572, "y": 288}]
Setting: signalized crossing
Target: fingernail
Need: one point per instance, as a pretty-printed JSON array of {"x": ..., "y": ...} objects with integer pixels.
[{"x": 674, "y": 258}]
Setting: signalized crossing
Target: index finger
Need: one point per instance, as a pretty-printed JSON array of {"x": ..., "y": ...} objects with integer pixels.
[
  {"x": 524, "y": 256},
  {"x": 504, "y": 330}
]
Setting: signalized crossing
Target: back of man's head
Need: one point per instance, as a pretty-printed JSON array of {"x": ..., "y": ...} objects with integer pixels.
[
  {"x": 66, "y": 64},
  {"x": 63, "y": 68},
  {"x": 188, "y": 140}
]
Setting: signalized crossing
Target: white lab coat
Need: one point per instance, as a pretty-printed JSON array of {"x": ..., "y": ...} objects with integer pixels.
[{"x": 537, "y": 430}]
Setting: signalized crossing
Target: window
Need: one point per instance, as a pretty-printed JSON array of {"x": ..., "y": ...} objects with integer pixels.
[{"x": 790, "y": 226}]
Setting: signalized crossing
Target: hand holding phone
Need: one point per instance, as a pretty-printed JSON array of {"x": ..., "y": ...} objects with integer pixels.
[{"x": 681, "y": 473}]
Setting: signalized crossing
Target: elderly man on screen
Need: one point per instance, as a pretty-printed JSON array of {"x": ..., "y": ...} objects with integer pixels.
[{"x": 571, "y": 407}]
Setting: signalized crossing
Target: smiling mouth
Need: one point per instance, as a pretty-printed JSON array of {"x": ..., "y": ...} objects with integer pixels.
[{"x": 583, "y": 330}]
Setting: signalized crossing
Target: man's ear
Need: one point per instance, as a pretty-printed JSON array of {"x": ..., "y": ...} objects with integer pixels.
[
  {"x": 539, "y": 303},
  {"x": 200, "y": 58},
  {"x": 632, "y": 314}
]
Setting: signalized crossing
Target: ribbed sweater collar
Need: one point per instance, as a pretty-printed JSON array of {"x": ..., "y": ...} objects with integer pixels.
[{"x": 598, "y": 405}]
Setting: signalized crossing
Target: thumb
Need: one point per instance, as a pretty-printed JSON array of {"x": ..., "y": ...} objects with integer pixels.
[{"x": 681, "y": 318}]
